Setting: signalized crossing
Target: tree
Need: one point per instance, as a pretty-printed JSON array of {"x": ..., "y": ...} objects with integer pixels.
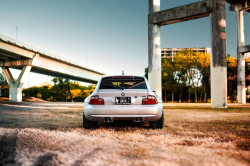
[
  {"x": 146, "y": 73},
  {"x": 168, "y": 77},
  {"x": 231, "y": 77},
  {"x": 56, "y": 88},
  {"x": 45, "y": 92},
  {"x": 203, "y": 65},
  {"x": 58, "y": 92},
  {"x": 2, "y": 79},
  {"x": 247, "y": 74},
  {"x": 185, "y": 62},
  {"x": 3, "y": 82}
]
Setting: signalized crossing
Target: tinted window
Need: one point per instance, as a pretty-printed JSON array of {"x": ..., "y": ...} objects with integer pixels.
[{"x": 123, "y": 82}]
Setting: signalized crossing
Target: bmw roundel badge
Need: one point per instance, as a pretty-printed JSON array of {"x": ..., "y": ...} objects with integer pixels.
[{"x": 122, "y": 93}]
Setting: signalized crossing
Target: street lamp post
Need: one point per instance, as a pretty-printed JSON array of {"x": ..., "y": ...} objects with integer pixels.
[{"x": 16, "y": 31}]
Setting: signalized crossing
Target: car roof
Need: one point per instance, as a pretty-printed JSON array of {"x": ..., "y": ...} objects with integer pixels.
[{"x": 122, "y": 76}]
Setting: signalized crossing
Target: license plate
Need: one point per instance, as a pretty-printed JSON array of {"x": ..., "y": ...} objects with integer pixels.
[{"x": 123, "y": 100}]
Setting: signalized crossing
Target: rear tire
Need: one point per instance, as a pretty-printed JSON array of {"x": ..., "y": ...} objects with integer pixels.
[
  {"x": 88, "y": 124},
  {"x": 157, "y": 124}
]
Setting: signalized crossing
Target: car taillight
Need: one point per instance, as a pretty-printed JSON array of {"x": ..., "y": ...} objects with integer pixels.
[
  {"x": 95, "y": 100},
  {"x": 150, "y": 100}
]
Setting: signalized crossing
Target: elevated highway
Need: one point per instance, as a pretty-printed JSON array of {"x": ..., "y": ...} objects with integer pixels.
[{"x": 19, "y": 55}]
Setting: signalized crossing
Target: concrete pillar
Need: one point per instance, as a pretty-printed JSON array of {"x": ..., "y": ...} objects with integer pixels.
[
  {"x": 218, "y": 57},
  {"x": 241, "y": 93},
  {"x": 15, "y": 87},
  {"x": 154, "y": 51}
]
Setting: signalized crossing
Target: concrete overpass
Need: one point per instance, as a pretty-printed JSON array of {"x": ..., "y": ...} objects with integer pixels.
[
  {"x": 238, "y": 6},
  {"x": 18, "y": 55},
  {"x": 218, "y": 69}
]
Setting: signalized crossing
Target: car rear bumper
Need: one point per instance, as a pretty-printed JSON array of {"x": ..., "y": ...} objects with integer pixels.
[{"x": 96, "y": 113}]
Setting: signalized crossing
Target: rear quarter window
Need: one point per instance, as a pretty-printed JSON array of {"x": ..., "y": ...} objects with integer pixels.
[{"x": 125, "y": 82}]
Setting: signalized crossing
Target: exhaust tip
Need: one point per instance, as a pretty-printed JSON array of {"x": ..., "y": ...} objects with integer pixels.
[
  {"x": 108, "y": 119},
  {"x": 138, "y": 119},
  {"x": 105, "y": 119}
]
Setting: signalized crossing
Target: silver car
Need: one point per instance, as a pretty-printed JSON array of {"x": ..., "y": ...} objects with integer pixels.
[{"x": 123, "y": 98}]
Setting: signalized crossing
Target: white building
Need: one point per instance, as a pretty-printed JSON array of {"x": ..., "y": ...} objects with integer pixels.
[{"x": 171, "y": 52}]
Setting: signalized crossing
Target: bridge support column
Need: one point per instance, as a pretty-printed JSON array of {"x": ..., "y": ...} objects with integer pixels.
[
  {"x": 241, "y": 93},
  {"x": 154, "y": 57},
  {"x": 15, "y": 87},
  {"x": 218, "y": 58}
]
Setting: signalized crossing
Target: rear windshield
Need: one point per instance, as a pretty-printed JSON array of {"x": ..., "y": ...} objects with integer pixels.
[{"x": 123, "y": 82}]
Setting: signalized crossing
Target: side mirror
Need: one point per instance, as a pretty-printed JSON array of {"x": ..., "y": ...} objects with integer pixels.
[{"x": 91, "y": 92}]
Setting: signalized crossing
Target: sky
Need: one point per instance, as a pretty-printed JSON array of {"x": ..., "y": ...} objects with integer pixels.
[{"x": 107, "y": 35}]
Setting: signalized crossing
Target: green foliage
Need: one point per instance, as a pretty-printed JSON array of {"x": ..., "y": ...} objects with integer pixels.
[
  {"x": 232, "y": 77},
  {"x": 185, "y": 63},
  {"x": 2, "y": 79},
  {"x": 168, "y": 77},
  {"x": 189, "y": 73},
  {"x": 146, "y": 73},
  {"x": 58, "y": 92},
  {"x": 4, "y": 86}
]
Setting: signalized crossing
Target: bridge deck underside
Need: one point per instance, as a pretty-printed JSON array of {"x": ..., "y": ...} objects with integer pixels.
[
  {"x": 39, "y": 70},
  {"x": 14, "y": 56},
  {"x": 234, "y": 2}
]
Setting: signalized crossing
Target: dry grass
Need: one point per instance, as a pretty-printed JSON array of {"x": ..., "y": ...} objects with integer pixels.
[{"x": 191, "y": 136}]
